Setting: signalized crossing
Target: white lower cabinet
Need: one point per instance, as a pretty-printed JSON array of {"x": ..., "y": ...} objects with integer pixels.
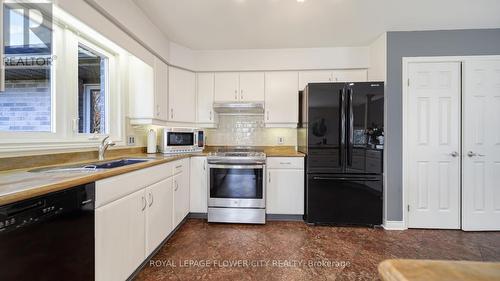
[
  {"x": 181, "y": 191},
  {"x": 159, "y": 218},
  {"x": 128, "y": 228},
  {"x": 120, "y": 237},
  {"x": 198, "y": 185},
  {"x": 285, "y": 186}
]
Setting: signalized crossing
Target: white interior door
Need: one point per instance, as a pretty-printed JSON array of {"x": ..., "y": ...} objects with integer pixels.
[
  {"x": 433, "y": 140},
  {"x": 481, "y": 138}
]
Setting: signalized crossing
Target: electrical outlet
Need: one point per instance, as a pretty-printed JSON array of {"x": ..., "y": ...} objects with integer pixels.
[
  {"x": 131, "y": 140},
  {"x": 281, "y": 140}
]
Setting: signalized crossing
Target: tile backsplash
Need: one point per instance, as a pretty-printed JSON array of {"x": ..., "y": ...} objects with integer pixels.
[{"x": 248, "y": 130}]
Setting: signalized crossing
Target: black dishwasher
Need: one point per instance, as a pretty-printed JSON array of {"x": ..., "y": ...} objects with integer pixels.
[{"x": 50, "y": 237}]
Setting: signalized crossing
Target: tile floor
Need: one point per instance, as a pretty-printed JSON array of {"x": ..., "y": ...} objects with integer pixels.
[{"x": 295, "y": 251}]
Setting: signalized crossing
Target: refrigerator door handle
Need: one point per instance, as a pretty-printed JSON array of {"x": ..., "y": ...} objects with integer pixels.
[
  {"x": 350, "y": 127},
  {"x": 342, "y": 128}
]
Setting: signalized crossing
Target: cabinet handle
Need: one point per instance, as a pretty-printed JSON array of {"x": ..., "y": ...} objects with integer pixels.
[
  {"x": 269, "y": 173},
  {"x": 210, "y": 115},
  {"x": 171, "y": 113},
  {"x": 144, "y": 203},
  {"x": 157, "y": 110},
  {"x": 285, "y": 163},
  {"x": 150, "y": 199},
  {"x": 178, "y": 167},
  {"x": 236, "y": 94},
  {"x": 205, "y": 165},
  {"x": 268, "y": 115},
  {"x": 241, "y": 96}
]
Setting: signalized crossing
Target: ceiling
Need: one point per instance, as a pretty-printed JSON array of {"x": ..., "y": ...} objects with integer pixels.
[{"x": 250, "y": 24}]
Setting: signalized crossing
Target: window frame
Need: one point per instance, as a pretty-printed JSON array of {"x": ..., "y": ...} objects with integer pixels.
[{"x": 109, "y": 79}]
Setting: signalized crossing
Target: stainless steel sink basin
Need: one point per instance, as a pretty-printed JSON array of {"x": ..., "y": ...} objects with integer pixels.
[{"x": 92, "y": 166}]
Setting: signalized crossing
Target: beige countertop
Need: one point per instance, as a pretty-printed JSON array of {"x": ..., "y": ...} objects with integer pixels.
[
  {"x": 16, "y": 185},
  {"x": 437, "y": 270},
  {"x": 20, "y": 184}
]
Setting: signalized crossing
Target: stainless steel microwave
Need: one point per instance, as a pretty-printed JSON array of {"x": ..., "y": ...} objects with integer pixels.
[{"x": 181, "y": 140}]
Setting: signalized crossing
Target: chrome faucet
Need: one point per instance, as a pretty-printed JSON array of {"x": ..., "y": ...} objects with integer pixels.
[{"x": 103, "y": 146}]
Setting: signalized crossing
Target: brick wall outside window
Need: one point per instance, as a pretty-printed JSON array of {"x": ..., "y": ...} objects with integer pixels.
[{"x": 25, "y": 106}]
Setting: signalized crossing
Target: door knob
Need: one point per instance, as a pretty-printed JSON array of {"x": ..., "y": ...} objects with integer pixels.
[
  {"x": 472, "y": 154},
  {"x": 454, "y": 154}
]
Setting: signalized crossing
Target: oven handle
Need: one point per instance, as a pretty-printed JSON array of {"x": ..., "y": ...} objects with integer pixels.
[{"x": 232, "y": 166}]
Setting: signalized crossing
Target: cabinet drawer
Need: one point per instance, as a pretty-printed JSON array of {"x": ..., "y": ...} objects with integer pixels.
[
  {"x": 285, "y": 162},
  {"x": 111, "y": 189},
  {"x": 179, "y": 166}
]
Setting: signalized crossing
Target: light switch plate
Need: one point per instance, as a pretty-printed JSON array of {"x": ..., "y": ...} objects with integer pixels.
[
  {"x": 281, "y": 140},
  {"x": 131, "y": 140}
]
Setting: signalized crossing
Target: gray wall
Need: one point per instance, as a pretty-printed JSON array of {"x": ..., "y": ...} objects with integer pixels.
[{"x": 417, "y": 44}]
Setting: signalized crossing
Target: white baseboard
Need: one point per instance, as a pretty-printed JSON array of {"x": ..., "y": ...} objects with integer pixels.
[{"x": 394, "y": 225}]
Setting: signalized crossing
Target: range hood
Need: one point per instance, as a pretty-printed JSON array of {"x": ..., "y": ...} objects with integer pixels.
[{"x": 250, "y": 108}]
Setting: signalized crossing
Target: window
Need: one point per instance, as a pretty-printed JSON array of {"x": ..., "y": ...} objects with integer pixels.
[
  {"x": 60, "y": 93},
  {"x": 26, "y": 104},
  {"x": 92, "y": 91}
]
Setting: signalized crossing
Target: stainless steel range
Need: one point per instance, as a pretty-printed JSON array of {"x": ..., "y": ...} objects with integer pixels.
[{"x": 237, "y": 186}]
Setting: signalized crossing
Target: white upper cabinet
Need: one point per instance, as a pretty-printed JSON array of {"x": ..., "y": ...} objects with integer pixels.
[
  {"x": 141, "y": 89},
  {"x": 316, "y": 76},
  {"x": 351, "y": 75},
  {"x": 205, "y": 99},
  {"x": 251, "y": 86},
  {"x": 227, "y": 87},
  {"x": 239, "y": 87},
  {"x": 160, "y": 90},
  {"x": 344, "y": 75},
  {"x": 281, "y": 99},
  {"x": 181, "y": 95}
]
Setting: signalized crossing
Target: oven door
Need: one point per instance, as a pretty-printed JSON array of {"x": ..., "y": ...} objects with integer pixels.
[{"x": 236, "y": 186}]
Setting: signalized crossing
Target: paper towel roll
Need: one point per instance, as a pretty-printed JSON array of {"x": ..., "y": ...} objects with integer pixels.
[{"x": 151, "y": 141}]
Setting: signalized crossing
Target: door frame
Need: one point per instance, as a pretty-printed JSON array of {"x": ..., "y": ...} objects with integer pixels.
[{"x": 405, "y": 63}]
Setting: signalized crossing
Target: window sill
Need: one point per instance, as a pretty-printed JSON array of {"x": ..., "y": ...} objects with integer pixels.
[{"x": 42, "y": 147}]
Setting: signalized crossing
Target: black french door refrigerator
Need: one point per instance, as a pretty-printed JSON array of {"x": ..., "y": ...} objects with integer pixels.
[{"x": 341, "y": 132}]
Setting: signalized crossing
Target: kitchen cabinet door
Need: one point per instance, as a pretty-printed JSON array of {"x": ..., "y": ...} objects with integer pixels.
[
  {"x": 159, "y": 219},
  {"x": 314, "y": 76},
  {"x": 120, "y": 237},
  {"x": 285, "y": 192},
  {"x": 251, "y": 86},
  {"x": 161, "y": 90},
  {"x": 181, "y": 95},
  {"x": 141, "y": 89},
  {"x": 198, "y": 185},
  {"x": 181, "y": 192},
  {"x": 282, "y": 98},
  {"x": 227, "y": 87},
  {"x": 350, "y": 75},
  {"x": 205, "y": 98}
]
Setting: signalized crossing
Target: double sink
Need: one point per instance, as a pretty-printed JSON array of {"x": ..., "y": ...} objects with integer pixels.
[{"x": 92, "y": 166}]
